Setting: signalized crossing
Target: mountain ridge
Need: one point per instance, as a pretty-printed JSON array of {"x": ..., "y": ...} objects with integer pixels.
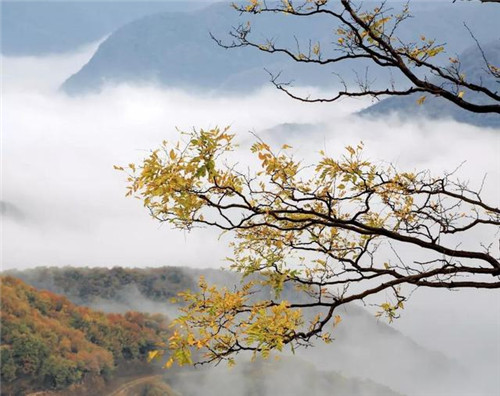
[
  {"x": 177, "y": 51},
  {"x": 358, "y": 339}
]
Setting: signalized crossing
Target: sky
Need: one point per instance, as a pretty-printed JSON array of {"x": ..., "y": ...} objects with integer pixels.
[{"x": 65, "y": 204}]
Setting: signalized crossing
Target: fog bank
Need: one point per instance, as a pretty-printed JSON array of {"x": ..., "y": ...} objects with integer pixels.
[{"x": 63, "y": 204}]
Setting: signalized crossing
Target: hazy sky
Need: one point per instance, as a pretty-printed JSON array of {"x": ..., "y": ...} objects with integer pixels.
[{"x": 65, "y": 204}]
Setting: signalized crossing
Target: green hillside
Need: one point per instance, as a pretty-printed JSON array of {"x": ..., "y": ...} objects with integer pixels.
[{"x": 90, "y": 285}]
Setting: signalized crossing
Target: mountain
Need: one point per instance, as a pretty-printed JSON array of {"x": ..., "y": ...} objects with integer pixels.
[
  {"x": 175, "y": 49},
  {"x": 364, "y": 347},
  {"x": 474, "y": 68},
  {"x": 47, "y": 342},
  {"x": 42, "y": 27},
  {"x": 50, "y": 344}
]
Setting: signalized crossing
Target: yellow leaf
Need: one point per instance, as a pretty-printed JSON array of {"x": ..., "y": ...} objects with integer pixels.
[
  {"x": 421, "y": 100},
  {"x": 336, "y": 320},
  {"x": 152, "y": 355},
  {"x": 169, "y": 363},
  {"x": 461, "y": 94}
]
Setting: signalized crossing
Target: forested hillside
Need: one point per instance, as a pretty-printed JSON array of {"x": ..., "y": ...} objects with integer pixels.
[
  {"x": 358, "y": 339},
  {"x": 91, "y": 285},
  {"x": 50, "y": 343}
]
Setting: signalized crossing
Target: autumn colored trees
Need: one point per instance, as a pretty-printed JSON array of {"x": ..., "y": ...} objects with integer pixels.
[{"x": 55, "y": 343}]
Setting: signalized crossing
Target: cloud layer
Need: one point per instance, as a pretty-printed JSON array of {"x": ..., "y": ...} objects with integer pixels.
[{"x": 64, "y": 204}]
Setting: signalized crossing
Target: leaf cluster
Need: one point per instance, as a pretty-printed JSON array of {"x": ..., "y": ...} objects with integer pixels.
[{"x": 327, "y": 228}]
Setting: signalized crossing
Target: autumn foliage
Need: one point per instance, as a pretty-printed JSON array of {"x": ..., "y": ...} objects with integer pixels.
[
  {"x": 55, "y": 343},
  {"x": 337, "y": 230}
]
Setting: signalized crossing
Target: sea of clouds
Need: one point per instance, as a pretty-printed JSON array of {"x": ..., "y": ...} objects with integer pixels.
[{"x": 64, "y": 204}]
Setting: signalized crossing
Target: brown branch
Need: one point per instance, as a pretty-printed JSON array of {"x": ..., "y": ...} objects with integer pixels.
[{"x": 382, "y": 52}]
